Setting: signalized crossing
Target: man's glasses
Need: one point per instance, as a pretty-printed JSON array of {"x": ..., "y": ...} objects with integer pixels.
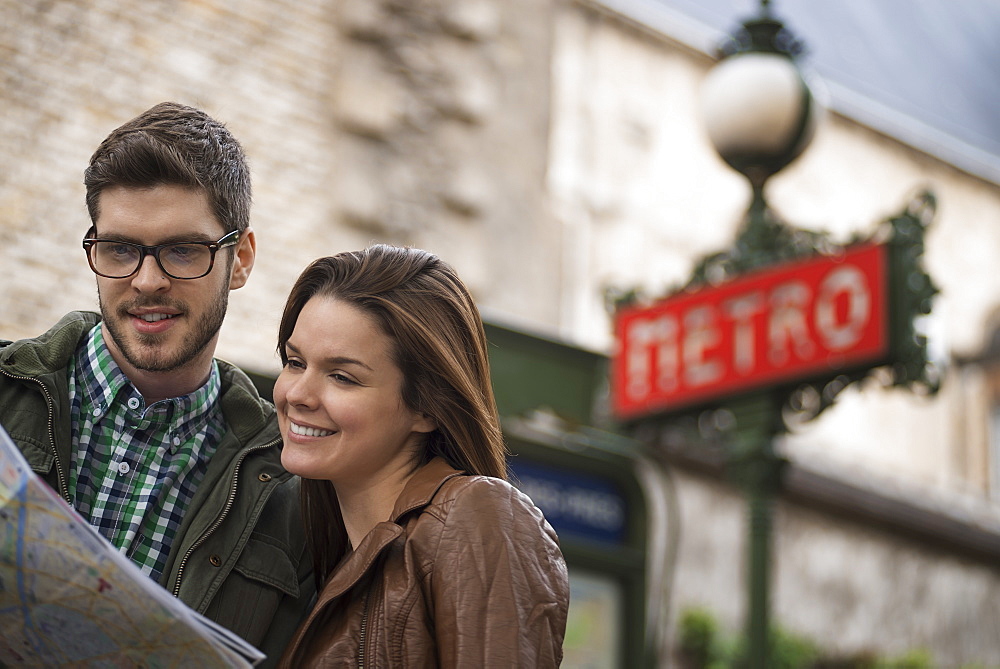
[{"x": 178, "y": 260}]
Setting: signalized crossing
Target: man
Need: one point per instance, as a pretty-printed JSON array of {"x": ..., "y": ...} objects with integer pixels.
[{"x": 169, "y": 453}]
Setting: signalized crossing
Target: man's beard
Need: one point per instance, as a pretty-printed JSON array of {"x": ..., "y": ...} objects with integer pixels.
[{"x": 142, "y": 351}]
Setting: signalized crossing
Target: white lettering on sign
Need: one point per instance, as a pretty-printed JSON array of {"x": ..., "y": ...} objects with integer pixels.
[
  {"x": 594, "y": 508},
  {"x": 743, "y": 310},
  {"x": 660, "y": 333},
  {"x": 807, "y": 317},
  {"x": 839, "y": 335},
  {"x": 788, "y": 326},
  {"x": 701, "y": 333}
]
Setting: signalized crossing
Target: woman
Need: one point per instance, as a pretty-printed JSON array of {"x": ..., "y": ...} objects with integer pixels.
[{"x": 424, "y": 554}]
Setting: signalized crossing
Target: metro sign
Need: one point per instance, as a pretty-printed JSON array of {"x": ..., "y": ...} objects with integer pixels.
[{"x": 793, "y": 322}]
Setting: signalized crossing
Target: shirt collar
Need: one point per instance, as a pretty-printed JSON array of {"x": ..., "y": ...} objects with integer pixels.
[{"x": 104, "y": 383}]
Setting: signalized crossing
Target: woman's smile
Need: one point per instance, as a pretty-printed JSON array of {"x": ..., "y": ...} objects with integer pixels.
[{"x": 306, "y": 431}]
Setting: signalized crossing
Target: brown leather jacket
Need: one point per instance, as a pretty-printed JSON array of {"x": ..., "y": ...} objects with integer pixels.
[{"x": 466, "y": 574}]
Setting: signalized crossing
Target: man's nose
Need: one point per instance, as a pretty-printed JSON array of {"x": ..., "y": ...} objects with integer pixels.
[{"x": 150, "y": 278}]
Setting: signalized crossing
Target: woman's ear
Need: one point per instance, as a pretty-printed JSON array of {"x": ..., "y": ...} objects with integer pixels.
[{"x": 424, "y": 423}]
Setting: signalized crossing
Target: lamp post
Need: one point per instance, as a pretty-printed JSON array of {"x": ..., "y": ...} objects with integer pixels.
[
  {"x": 760, "y": 115},
  {"x": 719, "y": 349}
]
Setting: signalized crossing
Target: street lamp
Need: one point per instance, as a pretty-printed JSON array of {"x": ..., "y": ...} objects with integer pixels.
[
  {"x": 760, "y": 115},
  {"x": 704, "y": 351},
  {"x": 706, "y": 354}
]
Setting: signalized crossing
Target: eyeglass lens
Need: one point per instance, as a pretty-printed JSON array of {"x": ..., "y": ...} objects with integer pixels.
[{"x": 183, "y": 261}]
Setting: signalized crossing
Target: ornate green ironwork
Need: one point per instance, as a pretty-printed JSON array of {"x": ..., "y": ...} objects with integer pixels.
[
  {"x": 765, "y": 240},
  {"x": 762, "y": 34},
  {"x": 912, "y": 293}
]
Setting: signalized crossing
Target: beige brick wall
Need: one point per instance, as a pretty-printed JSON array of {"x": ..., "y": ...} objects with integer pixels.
[{"x": 364, "y": 120}]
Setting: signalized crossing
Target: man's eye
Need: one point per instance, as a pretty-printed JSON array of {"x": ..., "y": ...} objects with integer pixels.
[
  {"x": 185, "y": 253},
  {"x": 119, "y": 250}
]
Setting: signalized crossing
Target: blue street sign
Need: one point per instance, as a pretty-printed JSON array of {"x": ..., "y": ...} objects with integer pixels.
[{"x": 575, "y": 503}]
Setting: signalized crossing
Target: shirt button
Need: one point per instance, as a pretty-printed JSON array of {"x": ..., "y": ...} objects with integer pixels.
[
  {"x": 96, "y": 411},
  {"x": 177, "y": 441},
  {"x": 215, "y": 560},
  {"x": 133, "y": 403},
  {"x": 123, "y": 467}
]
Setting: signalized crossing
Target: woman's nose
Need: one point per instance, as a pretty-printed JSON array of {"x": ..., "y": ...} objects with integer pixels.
[{"x": 300, "y": 391}]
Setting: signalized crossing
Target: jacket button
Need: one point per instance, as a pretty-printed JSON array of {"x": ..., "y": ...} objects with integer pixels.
[
  {"x": 215, "y": 560},
  {"x": 264, "y": 476}
]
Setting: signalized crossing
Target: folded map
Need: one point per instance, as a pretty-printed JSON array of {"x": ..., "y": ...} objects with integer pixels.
[{"x": 68, "y": 598}]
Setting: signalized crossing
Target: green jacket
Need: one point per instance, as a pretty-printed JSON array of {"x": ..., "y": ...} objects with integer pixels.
[{"x": 239, "y": 556}]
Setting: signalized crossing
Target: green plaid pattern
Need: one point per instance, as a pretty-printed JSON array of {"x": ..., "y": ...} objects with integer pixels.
[{"x": 135, "y": 468}]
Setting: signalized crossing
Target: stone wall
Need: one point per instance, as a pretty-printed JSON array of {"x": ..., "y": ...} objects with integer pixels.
[
  {"x": 854, "y": 589},
  {"x": 421, "y": 122}
]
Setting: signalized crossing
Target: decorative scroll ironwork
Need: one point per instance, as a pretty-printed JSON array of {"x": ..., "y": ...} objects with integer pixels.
[{"x": 765, "y": 240}]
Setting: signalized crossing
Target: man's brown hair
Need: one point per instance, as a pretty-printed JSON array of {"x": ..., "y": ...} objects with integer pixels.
[{"x": 174, "y": 144}]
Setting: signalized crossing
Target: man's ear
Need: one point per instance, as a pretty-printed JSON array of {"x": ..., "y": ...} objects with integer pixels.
[{"x": 243, "y": 257}]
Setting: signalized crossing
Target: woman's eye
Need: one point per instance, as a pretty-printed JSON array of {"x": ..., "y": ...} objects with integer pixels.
[
  {"x": 294, "y": 364},
  {"x": 337, "y": 376}
]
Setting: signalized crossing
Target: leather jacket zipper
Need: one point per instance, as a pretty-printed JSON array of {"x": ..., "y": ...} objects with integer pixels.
[
  {"x": 364, "y": 628},
  {"x": 373, "y": 592},
  {"x": 225, "y": 512},
  {"x": 63, "y": 486}
]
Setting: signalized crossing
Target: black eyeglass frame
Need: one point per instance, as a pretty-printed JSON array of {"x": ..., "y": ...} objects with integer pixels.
[{"x": 227, "y": 240}]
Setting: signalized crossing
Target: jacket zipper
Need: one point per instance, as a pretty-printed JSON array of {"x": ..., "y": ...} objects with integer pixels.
[
  {"x": 63, "y": 487},
  {"x": 225, "y": 511},
  {"x": 364, "y": 628},
  {"x": 373, "y": 593}
]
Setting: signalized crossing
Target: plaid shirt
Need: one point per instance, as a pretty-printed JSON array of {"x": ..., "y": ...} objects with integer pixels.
[{"x": 135, "y": 468}]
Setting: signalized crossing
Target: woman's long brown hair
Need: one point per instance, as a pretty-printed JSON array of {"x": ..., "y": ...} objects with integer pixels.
[{"x": 439, "y": 345}]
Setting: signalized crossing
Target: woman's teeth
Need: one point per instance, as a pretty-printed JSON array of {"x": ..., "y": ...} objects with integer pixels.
[{"x": 304, "y": 431}]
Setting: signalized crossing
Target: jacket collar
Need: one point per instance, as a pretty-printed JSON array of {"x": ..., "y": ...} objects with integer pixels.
[
  {"x": 248, "y": 416},
  {"x": 51, "y": 351},
  {"x": 422, "y": 486},
  {"x": 418, "y": 493}
]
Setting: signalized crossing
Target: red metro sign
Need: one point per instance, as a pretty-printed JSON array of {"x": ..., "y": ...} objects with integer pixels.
[{"x": 790, "y": 322}]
